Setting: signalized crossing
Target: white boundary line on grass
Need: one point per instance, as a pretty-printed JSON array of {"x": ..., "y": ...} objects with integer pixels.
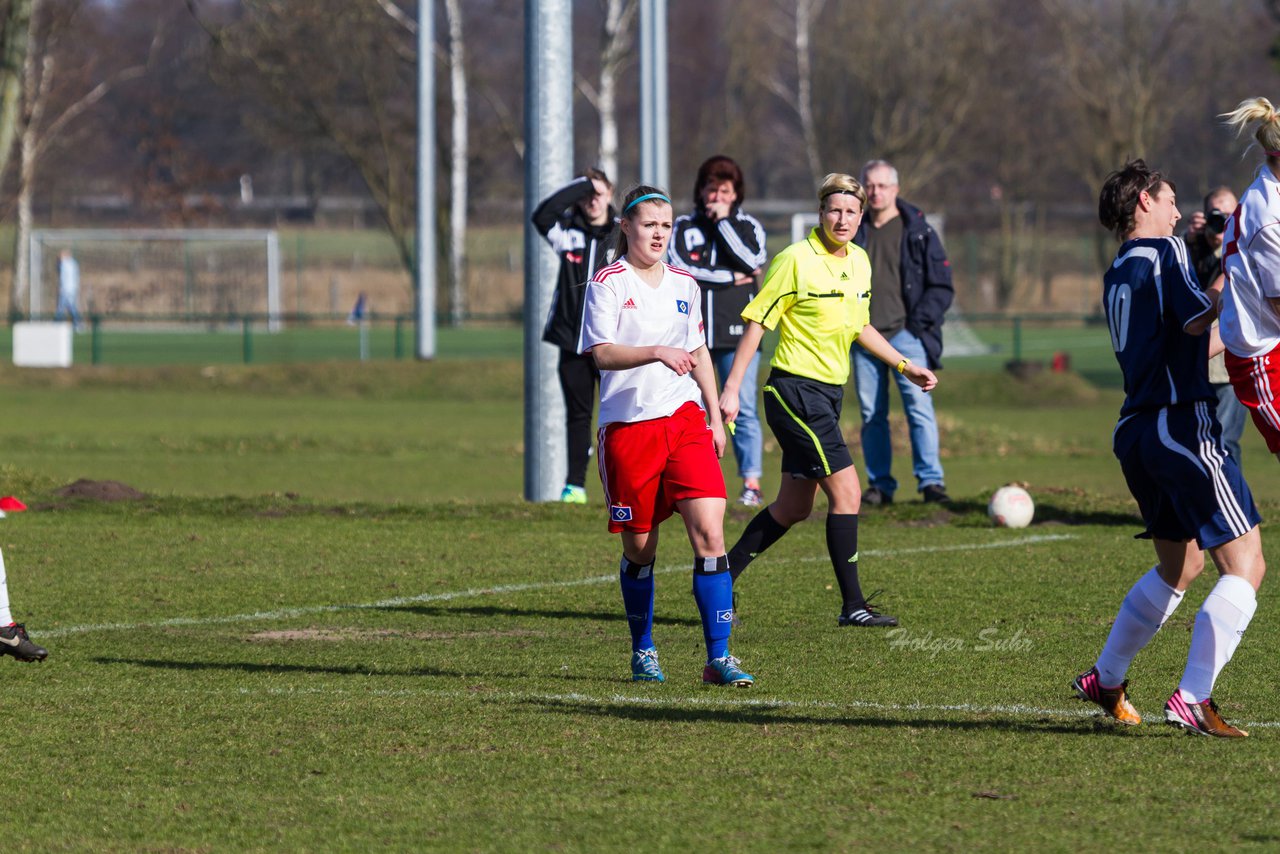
[
  {"x": 285, "y": 613},
  {"x": 724, "y": 702}
]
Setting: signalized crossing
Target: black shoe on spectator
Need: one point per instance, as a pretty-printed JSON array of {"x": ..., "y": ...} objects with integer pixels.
[
  {"x": 934, "y": 493},
  {"x": 875, "y": 497}
]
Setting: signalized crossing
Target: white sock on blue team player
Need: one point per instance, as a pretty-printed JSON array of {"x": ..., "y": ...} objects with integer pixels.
[
  {"x": 1144, "y": 610},
  {"x": 1220, "y": 625},
  {"x": 713, "y": 591}
]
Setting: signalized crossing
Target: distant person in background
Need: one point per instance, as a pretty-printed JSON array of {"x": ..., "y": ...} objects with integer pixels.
[
  {"x": 722, "y": 247},
  {"x": 578, "y": 221},
  {"x": 1191, "y": 495},
  {"x": 661, "y": 437},
  {"x": 1250, "y": 325},
  {"x": 68, "y": 289},
  {"x": 815, "y": 294},
  {"x": 910, "y": 293},
  {"x": 1204, "y": 244}
]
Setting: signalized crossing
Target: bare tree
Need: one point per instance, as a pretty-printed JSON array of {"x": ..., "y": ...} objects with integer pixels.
[
  {"x": 41, "y": 127},
  {"x": 13, "y": 62},
  {"x": 458, "y": 166},
  {"x": 455, "y": 57},
  {"x": 1115, "y": 60},
  {"x": 615, "y": 48},
  {"x": 330, "y": 70},
  {"x": 790, "y": 24},
  {"x": 906, "y": 92}
]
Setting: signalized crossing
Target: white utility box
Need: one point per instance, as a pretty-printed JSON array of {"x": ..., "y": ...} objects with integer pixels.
[{"x": 42, "y": 344}]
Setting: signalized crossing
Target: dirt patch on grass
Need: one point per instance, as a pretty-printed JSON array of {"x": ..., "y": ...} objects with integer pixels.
[
  {"x": 350, "y": 634},
  {"x": 936, "y": 519},
  {"x": 100, "y": 490}
]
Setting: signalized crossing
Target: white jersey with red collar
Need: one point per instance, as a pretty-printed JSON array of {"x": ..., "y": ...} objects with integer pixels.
[
  {"x": 621, "y": 308},
  {"x": 1251, "y": 262}
]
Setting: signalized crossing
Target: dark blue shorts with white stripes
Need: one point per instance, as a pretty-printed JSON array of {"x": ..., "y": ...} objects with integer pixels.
[{"x": 1185, "y": 484}]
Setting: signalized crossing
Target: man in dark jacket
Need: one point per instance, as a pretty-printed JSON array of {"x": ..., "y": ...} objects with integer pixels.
[
  {"x": 578, "y": 221},
  {"x": 910, "y": 292}
]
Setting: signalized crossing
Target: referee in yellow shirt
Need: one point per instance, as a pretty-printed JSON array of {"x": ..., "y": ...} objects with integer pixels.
[{"x": 817, "y": 293}]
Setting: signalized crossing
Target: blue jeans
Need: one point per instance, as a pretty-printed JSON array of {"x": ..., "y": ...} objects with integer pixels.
[
  {"x": 67, "y": 307},
  {"x": 872, "y": 377},
  {"x": 1231, "y": 415},
  {"x": 746, "y": 437}
]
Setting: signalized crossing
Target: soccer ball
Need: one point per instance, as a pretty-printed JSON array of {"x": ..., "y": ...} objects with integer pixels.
[{"x": 1011, "y": 507}]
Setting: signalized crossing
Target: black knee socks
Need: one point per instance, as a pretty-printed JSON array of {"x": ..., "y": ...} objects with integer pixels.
[
  {"x": 842, "y": 545},
  {"x": 762, "y": 532}
]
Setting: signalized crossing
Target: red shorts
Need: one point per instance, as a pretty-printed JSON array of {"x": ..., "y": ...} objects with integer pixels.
[
  {"x": 1256, "y": 380},
  {"x": 647, "y": 466}
]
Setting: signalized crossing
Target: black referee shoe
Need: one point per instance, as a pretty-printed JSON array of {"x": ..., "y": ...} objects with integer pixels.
[{"x": 867, "y": 616}]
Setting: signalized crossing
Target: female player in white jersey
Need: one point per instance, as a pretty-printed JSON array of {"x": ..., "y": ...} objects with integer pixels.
[
  {"x": 818, "y": 293},
  {"x": 1189, "y": 490},
  {"x": 657, "y": 453},
  {"x": 1250, "y": 325}
]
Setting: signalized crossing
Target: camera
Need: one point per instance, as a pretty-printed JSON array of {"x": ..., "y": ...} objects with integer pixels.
[{"x": 1215, "y": 221}]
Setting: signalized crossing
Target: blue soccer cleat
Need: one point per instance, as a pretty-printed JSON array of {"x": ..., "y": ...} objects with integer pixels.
[
  {"x": 725, "y": 671},
  {"x": 644, "y": 666}
]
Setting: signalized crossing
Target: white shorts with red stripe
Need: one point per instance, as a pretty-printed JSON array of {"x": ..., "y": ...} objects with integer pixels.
[{"x": 1256, "y": 380}]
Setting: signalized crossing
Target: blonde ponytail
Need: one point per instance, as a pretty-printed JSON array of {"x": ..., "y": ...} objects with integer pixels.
[{"x": 1257, "y": 110}]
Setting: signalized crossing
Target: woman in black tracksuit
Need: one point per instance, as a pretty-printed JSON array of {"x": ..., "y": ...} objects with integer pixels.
[{"x": 578, "y": 221}]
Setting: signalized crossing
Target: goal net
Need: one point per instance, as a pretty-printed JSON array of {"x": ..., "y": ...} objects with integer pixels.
[
  {"x": 177, "y": 275},
  {"x": 961, "y": 340}
]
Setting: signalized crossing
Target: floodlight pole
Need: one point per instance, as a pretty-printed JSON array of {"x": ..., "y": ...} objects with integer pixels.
[
  {"x": 424, "y": 294},
  {"x": 548, "y": 164},
  {"x": 655, "y": 162}
]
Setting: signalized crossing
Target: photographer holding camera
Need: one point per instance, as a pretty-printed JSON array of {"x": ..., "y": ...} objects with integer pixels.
[{"x": 1204, "y": 246}]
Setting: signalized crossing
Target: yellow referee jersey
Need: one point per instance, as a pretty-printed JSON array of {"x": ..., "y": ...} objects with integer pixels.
[{"x": 819, "y": 303}]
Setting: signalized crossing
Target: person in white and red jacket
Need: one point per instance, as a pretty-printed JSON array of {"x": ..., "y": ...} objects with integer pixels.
[
  {"x": 722, "y": 247},
  {"x": 578, "y": 221}
]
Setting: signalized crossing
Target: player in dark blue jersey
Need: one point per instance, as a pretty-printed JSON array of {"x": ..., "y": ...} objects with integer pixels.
[{"x": 1169, "y": 443}]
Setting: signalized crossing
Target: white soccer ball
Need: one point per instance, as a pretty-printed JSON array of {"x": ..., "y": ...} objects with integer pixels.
[{"x": 1011, "y": 507}]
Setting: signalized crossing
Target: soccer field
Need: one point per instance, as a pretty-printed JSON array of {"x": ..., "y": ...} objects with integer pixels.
[{"x": 332, "y": 623}]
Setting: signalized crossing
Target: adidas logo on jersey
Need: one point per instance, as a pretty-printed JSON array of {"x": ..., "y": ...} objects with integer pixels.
[
  {"x": 630, "y": 303},
  {"x": 844, "y": 275}
]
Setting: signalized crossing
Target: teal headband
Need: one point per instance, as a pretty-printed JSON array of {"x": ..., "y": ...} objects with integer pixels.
[{"x": 645, "y": 198}]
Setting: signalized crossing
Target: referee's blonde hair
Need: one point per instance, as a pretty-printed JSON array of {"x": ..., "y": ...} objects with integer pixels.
[
  {"x": 1257, "y": 110},
  {"x": 838, "y": 182}
]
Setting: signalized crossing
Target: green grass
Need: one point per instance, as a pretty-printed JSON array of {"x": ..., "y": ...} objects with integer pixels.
[{"x": 333, "y": 624}]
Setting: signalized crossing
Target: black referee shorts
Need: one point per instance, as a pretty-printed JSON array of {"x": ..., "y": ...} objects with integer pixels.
[{"x": 804, "y": 416}]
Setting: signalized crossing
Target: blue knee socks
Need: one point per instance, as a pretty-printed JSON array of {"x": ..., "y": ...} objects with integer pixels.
[
  {"x": 713, "y": 591},
  {"x": 637, "y": 598}
]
